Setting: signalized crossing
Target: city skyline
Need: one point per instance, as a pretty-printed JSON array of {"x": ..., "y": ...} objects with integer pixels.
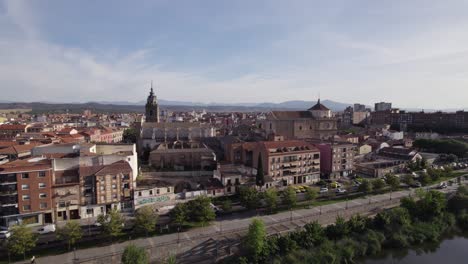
[{"x": 221, "y": 52}]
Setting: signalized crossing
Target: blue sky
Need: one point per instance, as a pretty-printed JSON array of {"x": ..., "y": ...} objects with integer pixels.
[{"x": 413, "y": 53}]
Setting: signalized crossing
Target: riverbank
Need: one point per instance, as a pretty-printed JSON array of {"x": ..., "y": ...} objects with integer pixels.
[{"x": 416, "y": 222}]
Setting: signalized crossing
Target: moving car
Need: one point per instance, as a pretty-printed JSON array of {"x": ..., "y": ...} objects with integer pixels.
[
  {"x": 46, "y": 229},
  {"x": 323, "y": 190},
  {"x": 5, "y": 234},
  {"x": 340, "y": 190},
  {"x": 442, "y": 185}
]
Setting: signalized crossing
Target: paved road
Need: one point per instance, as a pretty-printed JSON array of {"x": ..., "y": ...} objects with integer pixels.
[{"x": 204, "y": 245}]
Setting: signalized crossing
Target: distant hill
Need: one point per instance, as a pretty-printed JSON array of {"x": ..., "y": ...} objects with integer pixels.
[{"x": 123, "y": 106}]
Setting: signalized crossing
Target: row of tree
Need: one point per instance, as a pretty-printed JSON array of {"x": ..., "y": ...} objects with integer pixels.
[
  {"x": 270, "y": 199},
  {"x": 416, "y": 221}
]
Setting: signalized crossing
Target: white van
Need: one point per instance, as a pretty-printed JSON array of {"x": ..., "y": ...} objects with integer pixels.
[{"x": 46, "y": 229}]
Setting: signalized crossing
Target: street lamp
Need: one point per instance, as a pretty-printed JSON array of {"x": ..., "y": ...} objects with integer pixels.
[{"x": 346, "y": 203}]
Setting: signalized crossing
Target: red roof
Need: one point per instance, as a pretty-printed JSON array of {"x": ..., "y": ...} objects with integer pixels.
[{"x": 12, "y": 127}]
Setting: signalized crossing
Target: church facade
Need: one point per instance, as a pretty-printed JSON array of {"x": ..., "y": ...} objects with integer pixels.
[
  {"x": 317, "y": 122},
  {"x": 153, "y": 132}
]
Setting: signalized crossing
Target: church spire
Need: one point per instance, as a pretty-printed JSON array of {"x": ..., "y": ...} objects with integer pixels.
[{"x": 151, "y": 92}]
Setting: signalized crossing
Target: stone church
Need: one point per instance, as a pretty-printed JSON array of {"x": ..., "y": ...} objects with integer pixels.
[
  {"x": 317, "y": 122},
  {"x": 154, "y": 132}
]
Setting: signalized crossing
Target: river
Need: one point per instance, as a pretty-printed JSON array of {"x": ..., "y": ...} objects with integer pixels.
[{"x": 452, "y": 249}]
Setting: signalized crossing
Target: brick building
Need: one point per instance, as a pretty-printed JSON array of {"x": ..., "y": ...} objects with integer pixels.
[
  {"x": 26, "y": 192},
  {"x": 286, "y": 162}
]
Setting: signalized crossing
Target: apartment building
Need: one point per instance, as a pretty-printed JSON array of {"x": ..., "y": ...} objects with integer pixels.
[
  {"x": 285, "y": 162},
  {"x": 105, "y": 187},
  {"x": 26, "y": 192},
  {"x": 336, "y": 159}
]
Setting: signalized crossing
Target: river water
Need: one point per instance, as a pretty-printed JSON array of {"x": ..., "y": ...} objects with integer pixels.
[{"x": 453, "y": 249}]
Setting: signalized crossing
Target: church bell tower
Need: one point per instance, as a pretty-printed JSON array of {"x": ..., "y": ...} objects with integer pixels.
[{"x": 152, "y": 107}]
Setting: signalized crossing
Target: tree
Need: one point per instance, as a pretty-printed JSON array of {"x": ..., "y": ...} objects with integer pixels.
[
  {"x": 249, "y": 197},
  {"x": 226, "y": 205},
  {"x": 22, "y": 240},
  {"x": 179, "y": 214},
  {"x": 134, "y": 255},
  {"x": 408, "y": 179},
  {"x": 365, "y": 187},
  {"x": 200, "y": 210},
  {"x": 130, "y": 135},
  {"x": 71, "y": 232},
  {"x": 271, "y": 199},
  {"x": 425, "y": 179},
  {"x": 255, "y": 240},
  {"x": 290, "y": 197},
  {"x": 393, "y": 181},
  {"x": 112, "y": 223},
  {"x": 310, "y": 194},
  {"x": 337, "y": 230},
  {"x": 314, "y": 235},
  {"x": 260, "y": 177},
  {"x": 146, "y": 219},
  {"x": 378, "y": 184}
]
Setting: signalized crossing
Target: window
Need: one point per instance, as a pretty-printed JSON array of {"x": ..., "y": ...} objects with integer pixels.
[
  {"x": 114, "y": 186},
  {"x": 42, "y": 195},
  {"x": 114, "y": 196},
  {"x": 26, "y": 197},
  {"x": 114, "y": 177},
  {"x": 157, "y": 191},
  {"x": 168, "y": 189},
  {"x": 151, "y": 192},
  {"x": 42, "y": 185},
  {"x": 26, "y": 207},
  {"x": 102, "y": 188},
  {"x": 139, "y": 193},
  {"x": 24, "y": 186},
  {"x": 103, "y": 198},
  {"x": 43, "y": 205},
  {"x": 42, "y": 174},
  {"x": 89, "y": 211},
  {"x": 25, "y": 176}
]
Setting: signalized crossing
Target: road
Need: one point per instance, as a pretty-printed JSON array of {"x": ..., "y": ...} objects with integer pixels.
[{"x": 205, "y": 245}]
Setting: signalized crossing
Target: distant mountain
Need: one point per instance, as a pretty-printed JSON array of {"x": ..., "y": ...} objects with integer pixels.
[{"x": 293, "y": 105}]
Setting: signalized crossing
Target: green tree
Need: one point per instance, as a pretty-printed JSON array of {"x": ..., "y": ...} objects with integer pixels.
[
  {"x": 310, "y": 194},
  {"x": 130, "y": 135},
  {"x": 134, "y": 255},
  {"x": 71, "y": 232},
  {"x": 290, "y": 197},
  {"x": 408, "y": 179},
  {"x": 226, "y": 205},
  {"x": 338, "y": 230},
  {"x": 179, "y": 214},
  {"x": 146, "y": 219},
  {"x": 249, "y": 197},
  {"x": 271, "y": 199},
  {"x": 393, "y": 181},
  {"x": 112, "y": 223},
  {"x": 313, "y": 235},
  {"x": 425, "y": 179},
  {"x": 365, "y": 187},
  {"x": 255, "y": 240},
  {"x": 200, "y": 210},
  {"x": 22, "y": 240},
  {"x": 378, "y": 184},
  {"x": 260, "y": 177}
]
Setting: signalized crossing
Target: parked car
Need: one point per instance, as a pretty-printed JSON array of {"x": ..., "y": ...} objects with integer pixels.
[
  {"x": 323, "y": 190},
  {"x": 5, "y": 234},
  {"x": 340, "y": 190},
  {"x": 46, "y": 229},
  {"x": 416, "y": 185}
]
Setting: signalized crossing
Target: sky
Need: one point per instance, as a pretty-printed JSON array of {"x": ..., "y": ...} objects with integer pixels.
[{"x": 412, "y": 53}]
